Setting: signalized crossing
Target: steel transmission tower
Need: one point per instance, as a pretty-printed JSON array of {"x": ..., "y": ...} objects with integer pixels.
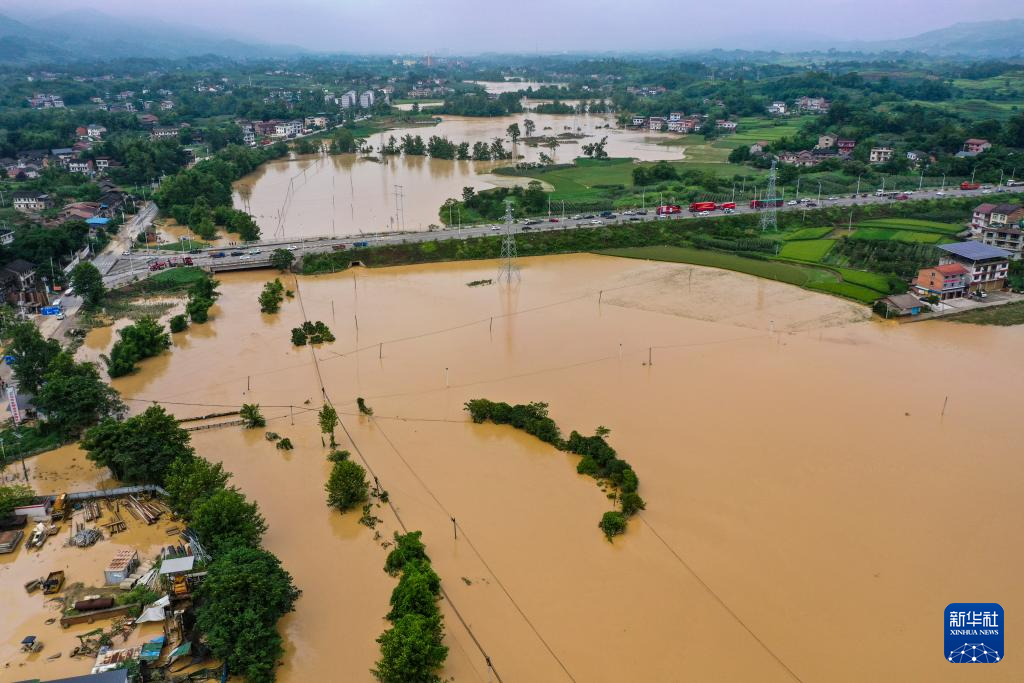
[
  {"x": 769, "y": 217},
  {"x": 508, "y": 267}
]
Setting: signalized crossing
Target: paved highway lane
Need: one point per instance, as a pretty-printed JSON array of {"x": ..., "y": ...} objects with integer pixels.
[{"x": 138, "y": 263}]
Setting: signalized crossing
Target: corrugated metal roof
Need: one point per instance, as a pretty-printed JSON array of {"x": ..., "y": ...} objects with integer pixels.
[{"x": 975, "y": 251}]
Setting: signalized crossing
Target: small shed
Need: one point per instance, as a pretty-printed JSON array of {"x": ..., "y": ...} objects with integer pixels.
[
  {"x": 902, "y": 304},
  {"x": 177, "y": 565},
  {"x": 123, "y": 564},
  {"x": 37, "y": 509}
]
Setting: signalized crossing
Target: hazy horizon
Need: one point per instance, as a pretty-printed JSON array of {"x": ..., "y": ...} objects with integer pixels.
[{"x": 461, "y": 27}]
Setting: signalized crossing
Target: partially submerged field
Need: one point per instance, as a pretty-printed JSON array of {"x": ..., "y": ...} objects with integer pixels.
[{"x": 742, "y": 403}]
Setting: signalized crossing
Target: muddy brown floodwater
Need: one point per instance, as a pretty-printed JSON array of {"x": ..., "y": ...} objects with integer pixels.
[
  {"x": 348, "y": 195},
  {"x": 792, "y": 454}
]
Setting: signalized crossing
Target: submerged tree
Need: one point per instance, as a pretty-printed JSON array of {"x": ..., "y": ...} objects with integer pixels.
[
  {"x": 251, "y": 416},
  {"x": 347, "y": 486},
  {"x": 328, "y": 418}
]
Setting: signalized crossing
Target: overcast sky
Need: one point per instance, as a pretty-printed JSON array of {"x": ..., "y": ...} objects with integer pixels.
[{"x": 464, "y": 26}]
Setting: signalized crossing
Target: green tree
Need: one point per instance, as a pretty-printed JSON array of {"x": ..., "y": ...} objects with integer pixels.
[
  {"x": 408, "y": 547},
  {"x": 513, "y": 132},
  {"x": 245, "y": 592},
  {"x": 74, "y": 397},
  {"x": 178, "y": 323},
  {"x": 192, "y": 480},
  {"x": 416, "y": 592},
  {"x": 13, "y": 496},
  {"x": 347, "y": 486},
  {"x": 251, "y": 416},
  {"x": 411, "y": 651},
  {"x": 282, "y": 259},
  {"x": 271, "y": 297},
  {"x": 88, "y": 282},
  {"x": 145, "y": 339},
  {"x": 226, "y": 520},
  {"x": 612, "y": 524},
  {"x": 32, "y": 355},
  {"x": 530, "y": 126},
  {"x": 141, "y": 449},
  {"x": 328, "y": 418}
]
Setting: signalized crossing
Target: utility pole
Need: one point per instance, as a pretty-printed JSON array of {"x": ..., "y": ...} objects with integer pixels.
[{"x": 508, "y": 268}]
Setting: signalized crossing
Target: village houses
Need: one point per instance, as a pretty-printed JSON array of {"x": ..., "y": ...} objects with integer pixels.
[{"x": 986, "y": 266}]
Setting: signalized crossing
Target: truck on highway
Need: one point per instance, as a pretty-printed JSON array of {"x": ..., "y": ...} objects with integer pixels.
[
  {"x": 727, "y": 207},
  {"x": 697, "y": 207},
  {"x": 360, "y": 244},
  {"x": 969, "y": 186},
  {"x": 666, "y": 209},
  {"x": 765, "y": 203}
]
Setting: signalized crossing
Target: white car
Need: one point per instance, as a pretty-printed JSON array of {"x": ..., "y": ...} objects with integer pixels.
[
  {"x": 126, "y": 253},
  {"x": 832, "y": 199},
  {"x": 596, "y": 222},
  {"x": 61, "y": 316},
  {"x": 292, "y": 247},
  {"x": 704, "y": 213},
  {"x": 791, "y": 202},
  {"x": 495, "y": 227},
  {"x": 940, "y": 193}
]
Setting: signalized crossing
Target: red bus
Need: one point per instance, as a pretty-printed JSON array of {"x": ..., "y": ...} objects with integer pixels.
[
  {"x": 764, "y": 203},
  {"x": 969, "y": 186},
  {"x": 666, "y": 209},
  {"x": 727, "y": 206},
  {"x": 702, "y": 206}
]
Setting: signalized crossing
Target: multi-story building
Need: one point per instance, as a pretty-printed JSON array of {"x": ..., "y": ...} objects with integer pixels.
[
  {"x": 81, "y": 166},
  {"x": 880, "y": 155},
  {"x": 163, "y": 132},
  {"x": 986, "y": 266},
  {"x": 777, "y": 108},
  {"x": 30, "y": 202},
  {"x": 349, "y": 99},
  {"x": 366, "y": 99},
  {"x": 656, "y": 123},
  {"x": 948, "y": 281},
  {"x": 1010, "y": 238},
  {"x": 818, "y": 105},
  {"x": 845, "y": 147}
]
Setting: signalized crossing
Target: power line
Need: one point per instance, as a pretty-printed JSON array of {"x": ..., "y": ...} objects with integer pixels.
[
  {"x": 475, "y": 551},
  {"x": 391, "y": 505},
  {"x": 721, "y": 602}
]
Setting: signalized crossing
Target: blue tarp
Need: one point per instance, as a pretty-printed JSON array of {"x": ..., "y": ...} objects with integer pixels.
[{"x": 97, "y": 221}]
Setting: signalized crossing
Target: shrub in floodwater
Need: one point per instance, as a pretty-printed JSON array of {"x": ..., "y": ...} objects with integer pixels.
[
  {"x": 408, "y": 547},
  {"x": 311, "y": 333},
  {"x": 178, "y": 323},
  {"x": 272, "y": 436},
  {"x": 285, "y": 444},
  {"x": 631, "y": 503},
  {"x": 347, "y": 486},
  {"x": 271, "y": 297},
  {"x": 251, "y": 416},
  {"x": 363, "y": 408},
  {"x": 612, "y": 524},
  {"x": 338, "y": 456}
]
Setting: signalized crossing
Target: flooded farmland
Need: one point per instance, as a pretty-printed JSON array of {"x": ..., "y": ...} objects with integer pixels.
[
  {"x": 803, "y": 486},
  {"x": 349, "y": 195}
]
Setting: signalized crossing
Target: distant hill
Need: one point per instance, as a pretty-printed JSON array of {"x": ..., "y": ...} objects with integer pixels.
[
  {"x": 983, "y": 39},
  {"x": 90, "y": 35}
]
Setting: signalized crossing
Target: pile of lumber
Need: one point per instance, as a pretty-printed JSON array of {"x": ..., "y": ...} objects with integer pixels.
[
  {"x": 92, "y": 510},
  {"x": 145, "y": 511}
]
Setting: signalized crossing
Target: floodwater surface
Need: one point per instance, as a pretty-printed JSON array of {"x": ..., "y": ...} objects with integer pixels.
[
  {"x": 346, "y": 194},
  {"x": 810, "y": 507}
]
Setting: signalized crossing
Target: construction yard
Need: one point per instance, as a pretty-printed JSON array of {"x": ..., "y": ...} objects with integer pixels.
[{"x": 87, "y": 566}]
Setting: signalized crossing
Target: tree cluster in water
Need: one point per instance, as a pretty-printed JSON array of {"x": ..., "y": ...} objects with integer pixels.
[
  {"x": 413, "y": 648},
  {"x": 311, "y": 333},
  {"x": 599, "y": 459}
]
